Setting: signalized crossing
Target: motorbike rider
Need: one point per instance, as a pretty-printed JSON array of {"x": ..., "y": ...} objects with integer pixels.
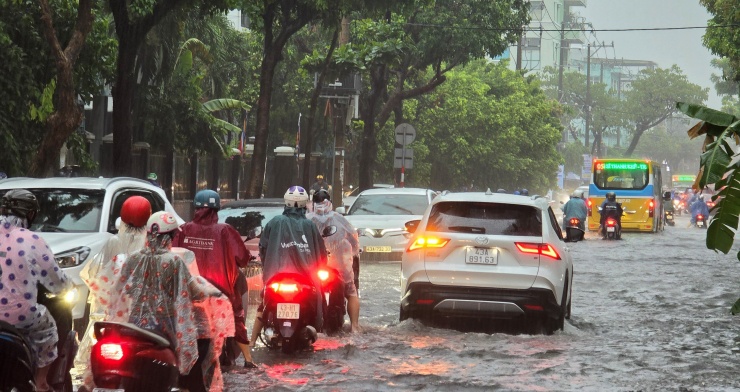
[
  {"x": 699, "y": 207},
  {"x": 610, "y": 208},
  {"x": 27, "y": 262},
  {"x": 98, "y": 273},
  {"x": 292, "y": 243},
  {"x": 575, "y": 208},
  {"x": 156, "y": 292},
  {"x": 342, "y": 247},
  {"x": 320, "y": 184},
  {"x": 219, "y": 253}
]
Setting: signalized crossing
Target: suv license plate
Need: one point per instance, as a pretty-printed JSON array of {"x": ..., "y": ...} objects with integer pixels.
[
  {"x": 288, "y": 311},
  {"x": 481, "y": 256},
  {"x": 378, "y": 249}
]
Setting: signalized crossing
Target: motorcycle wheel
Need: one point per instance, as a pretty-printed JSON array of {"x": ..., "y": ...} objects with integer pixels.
[
  {"x": 334, "y": 321},
  {"x": 289, "y": 345}
]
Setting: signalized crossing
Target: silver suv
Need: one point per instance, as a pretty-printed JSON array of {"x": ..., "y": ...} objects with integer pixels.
[
  {"x": 77, "y": 217},
  {"x": 488, "y": 255}
]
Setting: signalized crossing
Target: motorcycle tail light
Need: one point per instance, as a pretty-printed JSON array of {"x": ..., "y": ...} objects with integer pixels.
[
  {"x": 324, "y": 275},
  {"x": 111, "y": 351},
  {"x": 284, "y": 287},
  {"x": 700, "y": 217},
  {"x": 541, "y": 249},
  {"x": 574, "y": 221},
  {"x": 611, "y": 222}
]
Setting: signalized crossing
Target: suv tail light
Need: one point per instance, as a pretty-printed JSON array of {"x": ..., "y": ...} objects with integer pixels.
[
  {"x": 428, "y": 242},
  {"x": 541, "y": 249}
]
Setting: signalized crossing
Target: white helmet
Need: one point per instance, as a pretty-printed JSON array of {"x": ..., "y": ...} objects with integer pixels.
[
  {"x": 162, "y": 222},
  {"x": 296, "y": 196},
  {"x": 578, "y": 193}
]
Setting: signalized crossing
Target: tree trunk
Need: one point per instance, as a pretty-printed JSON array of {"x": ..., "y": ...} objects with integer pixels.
[
  {"x": 259, "y": 157},
  {"x": 369, "y": 145},
  {"x": 123, "y": 95},
  {"x": 67, "y": 115},
  {"x": 312, "y": 110}
]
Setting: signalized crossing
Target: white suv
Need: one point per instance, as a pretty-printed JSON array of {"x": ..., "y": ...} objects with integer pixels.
[
  {"x": 77, "y": 217},
  {"x": 488, "y": 256}
]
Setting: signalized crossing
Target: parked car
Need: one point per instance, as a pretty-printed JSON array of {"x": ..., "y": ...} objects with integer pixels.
[
  {"x": 487, "y": 255},
  {"x": 352, "y": 196},
  {"x": 77, "y": 217},
  {"x": 249, "y": 216},
  {"x": 379, "y": 216}
]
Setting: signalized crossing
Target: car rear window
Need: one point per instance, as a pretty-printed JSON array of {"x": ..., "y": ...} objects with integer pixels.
[
  {"x": 389, "y": 204},
  {"x": 485, "y": 218}
]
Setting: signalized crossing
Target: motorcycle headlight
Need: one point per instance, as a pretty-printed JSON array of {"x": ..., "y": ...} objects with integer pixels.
[
  {"x": 69, "y": 296},
  {"x": 73, "y": 257}
]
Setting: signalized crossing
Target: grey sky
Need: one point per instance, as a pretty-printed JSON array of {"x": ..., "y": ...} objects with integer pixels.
[{"x": 681, "y": 47}]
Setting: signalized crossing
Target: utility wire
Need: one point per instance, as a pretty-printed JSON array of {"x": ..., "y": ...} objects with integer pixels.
[{"x": 568, "y": 30}]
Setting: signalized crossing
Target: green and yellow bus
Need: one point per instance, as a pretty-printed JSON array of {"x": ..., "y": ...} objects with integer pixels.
[
  {"x": 682, "y": 182},
  {"x": 637, "y": 184}
]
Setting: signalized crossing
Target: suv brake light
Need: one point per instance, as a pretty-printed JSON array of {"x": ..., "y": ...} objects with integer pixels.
[
  {"x": 540, "y": 249},
  {"x": 428, "y": 242}
]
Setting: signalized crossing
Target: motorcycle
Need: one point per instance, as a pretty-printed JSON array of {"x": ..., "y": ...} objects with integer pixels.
[
  {"x": 701, "y": 221},
  {"x": 18, "y": 362},
  {"x": 290, "y": 307},
  {"x": 575, "y": 230},
  {"x": 128, "y": 358},
  {"x": 612, "y": 229},
  {"x": 669, "y": 218}
]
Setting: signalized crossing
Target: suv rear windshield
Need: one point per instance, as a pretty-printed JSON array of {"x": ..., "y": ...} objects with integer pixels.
[
  {"x": 68, "y": 210},
  {"x": 485, "y": 218},
  {"x": 389, "y": 204}
]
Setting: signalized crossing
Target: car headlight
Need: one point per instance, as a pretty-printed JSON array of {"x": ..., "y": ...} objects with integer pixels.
[{"x": 73, "y": 257}]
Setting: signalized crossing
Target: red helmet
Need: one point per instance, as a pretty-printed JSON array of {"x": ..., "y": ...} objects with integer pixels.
[{"x": 135, "y": 211}]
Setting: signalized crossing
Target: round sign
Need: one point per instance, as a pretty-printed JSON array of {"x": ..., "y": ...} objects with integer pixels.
[{"x": 405, "y": 134}]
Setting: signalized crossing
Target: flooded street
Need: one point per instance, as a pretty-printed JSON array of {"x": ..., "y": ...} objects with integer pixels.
[{"x": 650, "y": 312}]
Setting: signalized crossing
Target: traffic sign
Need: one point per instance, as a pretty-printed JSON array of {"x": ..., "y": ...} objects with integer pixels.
[
  {"x": 405, "y": 134},
  {"x": 399, "y": 156}
]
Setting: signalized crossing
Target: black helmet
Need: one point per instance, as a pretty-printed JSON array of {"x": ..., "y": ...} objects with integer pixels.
[
  {"x": 611, "y": 196},
  {"x": 21, "y": 203},
  {"x": 321, "y": 195},
  {"x": 525, "y": 192}
]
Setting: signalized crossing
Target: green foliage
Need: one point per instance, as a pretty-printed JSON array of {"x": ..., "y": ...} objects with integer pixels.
[
  {"x": 486, "y": 125},
  {"x": 719, "y": 166},
  {"x": 46, "y": 108},
  {"x": 725, "y": 41}
]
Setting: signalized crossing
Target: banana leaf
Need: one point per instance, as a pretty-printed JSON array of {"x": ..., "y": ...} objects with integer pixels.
[
  {"x": 224, "y": 104},
  {"x": 706, "y": 114},
  {"x": 721, "y": 230},
  {"x": 736, "y": 307}
]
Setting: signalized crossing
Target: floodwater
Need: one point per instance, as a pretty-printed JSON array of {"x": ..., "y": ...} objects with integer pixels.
[{"x": 650, "y": 313}]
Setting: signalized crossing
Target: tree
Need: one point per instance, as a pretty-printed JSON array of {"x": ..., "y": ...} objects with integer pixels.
[
  {"x": 486, "y": 125},
  {"x": 718, "y": 167},
  {"x": 133, "y": 21},
  {"x": 444, "y": 23},
  {"x": 67, "y": 114},
  {"x": 652, "y": 99},
  {"x": 279, "y": 21},
  {"x": 28, "y": 81},
  {"x": 723, "y": 35}
]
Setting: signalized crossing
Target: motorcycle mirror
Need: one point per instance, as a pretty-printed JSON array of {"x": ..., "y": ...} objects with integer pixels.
[
  {"x": 254, "y": 233},
  {"x": 328, "y": 231}
]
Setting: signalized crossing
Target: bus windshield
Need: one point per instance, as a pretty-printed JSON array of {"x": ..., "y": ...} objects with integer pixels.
[{"x": 621, "y": 175}]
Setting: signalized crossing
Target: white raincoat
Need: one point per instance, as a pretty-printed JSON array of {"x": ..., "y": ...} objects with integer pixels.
[{"x": 343, "y": 245}]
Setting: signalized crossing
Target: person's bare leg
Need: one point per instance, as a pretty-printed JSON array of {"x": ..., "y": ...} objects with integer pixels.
[
  {"x": 246, "y": 351},
  {"x": 256, "y": 329},
  {"x": 353, "y": 308},
  {"x": 41, "y": 373}
]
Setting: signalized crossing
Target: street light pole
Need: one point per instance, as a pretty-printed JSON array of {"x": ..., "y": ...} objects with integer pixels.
[{"x": 588, "y": 94}]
